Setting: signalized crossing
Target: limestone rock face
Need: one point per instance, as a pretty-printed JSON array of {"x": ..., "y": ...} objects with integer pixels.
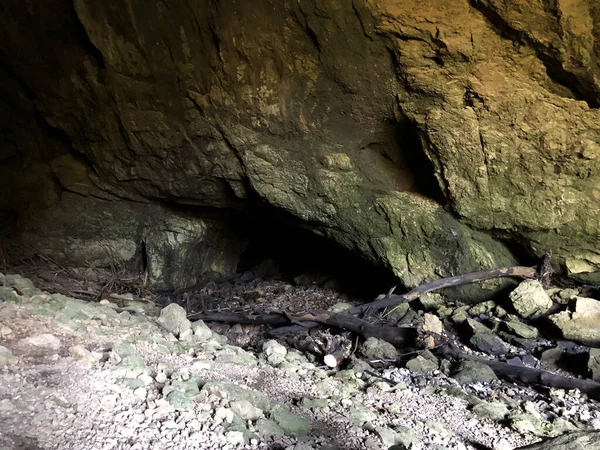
[{"x": 408, "y": 131}]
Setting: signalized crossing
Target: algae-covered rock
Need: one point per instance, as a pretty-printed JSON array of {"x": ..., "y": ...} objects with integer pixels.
[
  {"x": 424, "y": 363},
  {"x": 485, "y": 340},
  {"x": 374, "y": 348},
  {"x": 201, "y": 330},
  {"x": 267, "y": 427},
  {"x": 246, "y": 410},
  {"x": 594, "y": 363},
  {"x": 474, "y": 372},
  {"x": 361, "y": 414},
  {"x": 173, "y": 318},
  {"x": 23, "y": 285},
  {"x": 291, "y": 424},
  {"x": 520, "y": 329},
  {"x": 274, "y": 352},
  {"x": 491, "y": 410}
]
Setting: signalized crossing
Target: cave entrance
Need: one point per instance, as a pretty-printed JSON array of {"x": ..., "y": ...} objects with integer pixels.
[{"x": 284, "y": 250}]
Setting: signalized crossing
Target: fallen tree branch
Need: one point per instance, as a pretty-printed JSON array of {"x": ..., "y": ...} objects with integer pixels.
[
  {"x": 527, "y": 375},
  {"x": 346, "y": 320},
  {"x": 393, "y": 300},
  {"x": 273, "y": 318},
  {"x": 394, "y": 335}
]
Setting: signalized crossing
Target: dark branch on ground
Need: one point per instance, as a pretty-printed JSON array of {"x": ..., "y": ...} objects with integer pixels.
[{"x": 348, "y": 320}]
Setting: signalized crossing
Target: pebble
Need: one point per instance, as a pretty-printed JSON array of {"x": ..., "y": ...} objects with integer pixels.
[
  {"x": 161, "y": 378},
  {"x": 141, "y": 393}
]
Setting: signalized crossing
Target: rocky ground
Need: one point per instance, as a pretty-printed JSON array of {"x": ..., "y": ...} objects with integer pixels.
[{"x": 122, "y": 374}]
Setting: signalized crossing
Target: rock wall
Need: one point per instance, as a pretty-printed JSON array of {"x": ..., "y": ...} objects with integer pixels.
[{"x": 417, "y": 133}]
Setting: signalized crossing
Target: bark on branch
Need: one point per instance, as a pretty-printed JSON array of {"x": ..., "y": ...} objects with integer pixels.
[{"x": 516, "y": 271}]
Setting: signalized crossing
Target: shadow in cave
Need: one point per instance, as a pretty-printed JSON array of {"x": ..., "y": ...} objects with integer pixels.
[
  {"x": 304, "y": 255},
  {"x": 414, "y": 161}
]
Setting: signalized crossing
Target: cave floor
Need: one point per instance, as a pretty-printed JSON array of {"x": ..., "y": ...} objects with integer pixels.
[{"x": 102, "y": 374}]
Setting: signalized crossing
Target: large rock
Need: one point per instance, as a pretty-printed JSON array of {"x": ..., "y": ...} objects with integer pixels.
[
  {"x": 374, "y": 348},
  {"x": 474, "y": 372},
  {"x": 173, "y": 318},
  {"x": 530, "y": 299},
  {"x": 486, "y": 340},
  {"x": 582, "y": 324},
  {"x": 378, "y": 124}
]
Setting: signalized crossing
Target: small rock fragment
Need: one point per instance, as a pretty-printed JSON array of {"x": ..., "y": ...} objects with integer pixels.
[
  {"x": 224, "y": 415},
  {"x": 80, "y": 352},
  {"x": 432, "y": 324}
]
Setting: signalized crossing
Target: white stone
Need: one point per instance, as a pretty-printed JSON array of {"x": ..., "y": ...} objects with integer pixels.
[
  {"x": 530, "y": 299},
  {"x": 141, "y": 393}
]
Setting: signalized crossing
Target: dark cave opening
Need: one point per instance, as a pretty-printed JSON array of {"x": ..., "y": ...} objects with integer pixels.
[
  {"x": 281, "y": 248},
  {"x": 415, "y": 161}
]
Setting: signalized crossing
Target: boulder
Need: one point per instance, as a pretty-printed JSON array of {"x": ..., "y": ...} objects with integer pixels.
[
  {"x": 374, "y": 348},
  {"x": 530, "y": 299},
  {"x": 582, "y": 324},
  {"x": 474, "y": 372},
  {"x": 485, "y": 340},
  {"x": 173, "y": 318}
]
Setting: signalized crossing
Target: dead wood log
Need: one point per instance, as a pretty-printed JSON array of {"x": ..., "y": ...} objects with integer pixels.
[
  {"x": 394, "y": 335},
  {"x": 393, "y": 300},
  {"x": 347, "y": 320},
  {"x": 332, "y": 349},
  {"x": 274, "y": 318},
  {"x": 527, "y": 375}
]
